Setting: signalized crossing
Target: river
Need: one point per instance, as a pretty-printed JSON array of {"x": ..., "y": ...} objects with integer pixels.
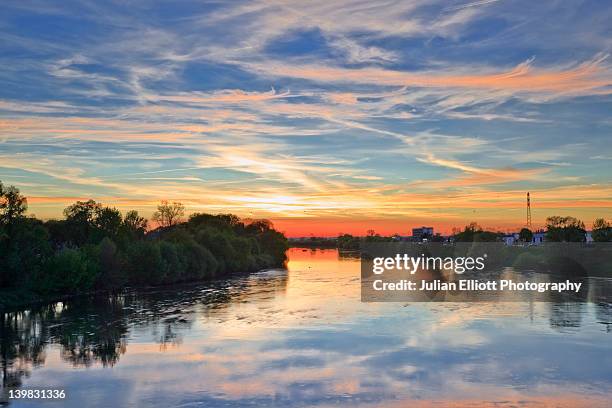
[{"x": 302, "y": 337}]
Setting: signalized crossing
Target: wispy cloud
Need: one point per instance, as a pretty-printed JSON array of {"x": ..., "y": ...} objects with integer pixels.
[
  {"x": 346, "y": 109},
  {"x": 472, "y": 4}
]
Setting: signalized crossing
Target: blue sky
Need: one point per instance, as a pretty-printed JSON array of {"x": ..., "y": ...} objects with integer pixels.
[{"x": 338, "y": 114}]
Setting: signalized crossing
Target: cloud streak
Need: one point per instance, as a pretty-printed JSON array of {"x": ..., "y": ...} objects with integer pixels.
[{"x": 402, "y": 110}]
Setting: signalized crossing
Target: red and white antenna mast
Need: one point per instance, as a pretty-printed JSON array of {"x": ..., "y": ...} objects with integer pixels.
[{"x": 528, "y": 210}]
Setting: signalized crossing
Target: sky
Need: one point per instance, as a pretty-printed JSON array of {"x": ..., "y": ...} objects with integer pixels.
[{"x": 324, "y": 116}]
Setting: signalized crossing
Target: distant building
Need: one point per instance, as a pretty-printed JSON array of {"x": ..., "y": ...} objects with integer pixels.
[
  {"x": 511, "y": 239},
  {"x": 419, "y": 234},
  {"x": 514, "y": 238},
  {"x": 538, "y": 237}
]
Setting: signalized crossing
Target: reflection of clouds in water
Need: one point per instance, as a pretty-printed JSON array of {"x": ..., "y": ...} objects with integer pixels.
[{"x": 303, "y": 338}]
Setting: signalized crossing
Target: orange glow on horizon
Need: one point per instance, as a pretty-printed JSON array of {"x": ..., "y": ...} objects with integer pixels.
[{"x": 296, "y": 228}]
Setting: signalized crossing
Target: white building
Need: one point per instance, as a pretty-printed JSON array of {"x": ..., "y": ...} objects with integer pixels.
[
  {"x": 511, "y": 239},
  {"x": 538, "y": 237}
]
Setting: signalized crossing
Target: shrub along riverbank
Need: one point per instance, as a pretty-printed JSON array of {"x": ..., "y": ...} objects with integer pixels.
[{"x": 96, "y": 248}]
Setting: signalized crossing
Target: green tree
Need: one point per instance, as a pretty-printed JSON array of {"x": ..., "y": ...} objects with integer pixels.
[
  {"x": 80, "y": 221},
  {"x": 107, "y": 222},
  {"x": 12, "y": 204},
  {"x": 134, "y": 224},
  {"x": 565, "y": 229},
  {"x": 274, "y": 244},
  {"x": 82, "y": 211},
  {"x": 467, "y": 235},
  {"x": 525, "y": 235},
  {"x": 474, "y": 233},
  {"x": 145, "y": 263},
  {"x": 68, "y": 271},
  {"x": 259, "y": 226},
  {"x": 96, "y": 247},
  {"x": 90, "y": 222},
  {"x": 347, "y": 241},
  {"x": 23, "y": 249},
  {"x": 111, "y": 265},
  {"x": 602, "y": 230}
]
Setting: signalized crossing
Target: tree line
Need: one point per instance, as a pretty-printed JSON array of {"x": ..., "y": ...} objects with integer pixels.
[
  {"x": 558, "y": 229},
  {"x": 95, "y": 247}
]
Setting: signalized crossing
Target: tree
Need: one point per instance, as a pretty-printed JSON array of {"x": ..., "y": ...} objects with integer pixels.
[
  {"x": 80, "y": 221},
  {"x": 110, "y": 264},
  {"x": 82, "y": 211},
  {"x": 565, "y": 229},
  {"x": 107, "y": 222},
  {"x": 12, "y": 204},
  {"x": 525, "y": 235},
  {"x": 169, "y": 214},
  {"x": 68, "y": 271},
  {"x": 468, "y": 233},
  {"x": 602, "y": 230},
  {"x": 134, "y": 224},
  {"x": 23, "y": 248},
  {"x": 95, "y": 247},
  {"x": 474, "y": 233},
  {"x": 89, "y": 222},
  {"x": 347, "y": 241},
  {"x": 260, "y": 226},
  {"x": 145, "y": 264}
]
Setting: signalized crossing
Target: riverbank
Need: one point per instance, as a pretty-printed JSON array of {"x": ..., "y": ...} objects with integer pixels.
[{"x": 97, "y": 248}]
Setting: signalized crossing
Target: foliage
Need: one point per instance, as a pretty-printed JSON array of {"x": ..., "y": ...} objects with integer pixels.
[
  {"x": 68, "y": 271},
  {"x": 24, "y": 245},
  {"x": 565, "y": 229},
  {"x": 315, "y": 242},
  {"x": 111, "y": 263},
  {"x": 134, "y": 226},
  {"x": 525, "y": 235},
  {"x": 347, "y": 241},
  {"x": 602, "y": 230},
  {"x": 95, "y": 247},
  {"x": 12, "y": 204},
  {"x": 474, "y": 233}
]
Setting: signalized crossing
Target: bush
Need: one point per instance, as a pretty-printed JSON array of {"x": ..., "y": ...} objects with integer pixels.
[
  {"x": 111, "y": 265},
  {"x": 24, "y": 246},
  {"x": 145, "y": 266},
  {"x": 68, "y": 271},
  {"x": 173, "y": 264},
  {"x": 200, "y": 262}
]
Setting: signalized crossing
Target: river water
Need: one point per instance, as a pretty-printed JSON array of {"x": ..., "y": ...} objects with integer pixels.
[{"x": 302, "y": 337}]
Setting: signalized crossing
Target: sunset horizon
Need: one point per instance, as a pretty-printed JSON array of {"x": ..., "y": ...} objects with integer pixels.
[{"x": 489, "y": 218}]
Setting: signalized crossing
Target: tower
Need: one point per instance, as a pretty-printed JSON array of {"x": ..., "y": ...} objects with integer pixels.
[{"x": 528, "y": 210}]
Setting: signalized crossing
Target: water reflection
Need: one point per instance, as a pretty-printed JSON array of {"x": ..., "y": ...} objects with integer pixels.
[{"x": 302, "y": 338}]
